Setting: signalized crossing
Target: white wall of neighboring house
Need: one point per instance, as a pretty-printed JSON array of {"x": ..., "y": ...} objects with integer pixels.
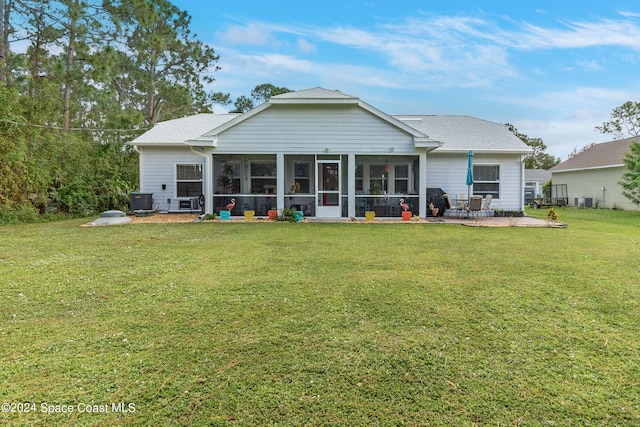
[{"x": 601, "y": 185}]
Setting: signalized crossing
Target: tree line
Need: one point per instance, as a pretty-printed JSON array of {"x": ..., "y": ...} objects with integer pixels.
[{"x": 80, "y": 78}]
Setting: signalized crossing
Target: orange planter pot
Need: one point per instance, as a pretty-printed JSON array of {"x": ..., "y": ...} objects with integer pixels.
[
  {"x": 406, "y": 216},
  {"x": 273, "y": 214}
]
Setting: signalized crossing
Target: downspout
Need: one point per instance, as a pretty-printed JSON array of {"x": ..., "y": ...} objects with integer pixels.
[
  {"x": 522, "y": 181},
  {"x": 208, "y": 178}
]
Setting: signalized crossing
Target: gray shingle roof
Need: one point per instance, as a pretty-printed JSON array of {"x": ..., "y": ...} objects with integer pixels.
[
  {"x": 456, "y": 133},
  {"x": 177, "y": 131},
  {"x": 541, "y": 175},
  {"x": 606, "y": 154},
  {"x": 314, "y": 93},
  {"x": 462, "y": 133}
]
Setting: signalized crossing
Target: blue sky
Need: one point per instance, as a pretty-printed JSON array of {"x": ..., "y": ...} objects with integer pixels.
[{"x": 554, "y": 69}]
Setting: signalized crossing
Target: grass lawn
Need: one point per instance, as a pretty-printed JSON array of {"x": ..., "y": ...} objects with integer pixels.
[{"x": 322, "y": 324}]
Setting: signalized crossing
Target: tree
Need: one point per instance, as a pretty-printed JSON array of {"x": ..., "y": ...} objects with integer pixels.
[
  {"x": 242, "y": 104},
  {"x": 625, "y": 121},
  {"x": 260, "y": 94},
  {"x": 538, "y": 159},
  {"x": 5, "y": 7},
  {"x": 630, "y": 181},
  {"x": 263, "y": 92},
  {"x": 95, "y": 73},
  {"x": 161, "y": 71},
  {"x": 575, "y": 150}
]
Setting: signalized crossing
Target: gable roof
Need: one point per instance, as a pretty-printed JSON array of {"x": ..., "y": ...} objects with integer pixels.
[
  {"x": 178, "y": 131},
  {"x": 317, "y": 96},
  {"x": 605, "y": 155},
  {"x": 464, "y": 133},
  {"x": 540, "y": 175},
  {"x": 444, "y": 133}
]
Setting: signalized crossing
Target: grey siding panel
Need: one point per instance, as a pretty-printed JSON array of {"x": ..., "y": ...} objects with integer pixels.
[
  {"x": 314, "y": 129},
  {"x": 157, "y": 166}
]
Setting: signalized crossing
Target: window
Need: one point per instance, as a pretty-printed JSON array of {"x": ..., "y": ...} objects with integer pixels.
[
  {"x": 486, "y": 180},
  {"x": 229, "y": 179},
  {"x": 378, "y": 179},
  {"x": 302, "y": 177},
  {"x": 188, "y": 180},
  {"x": 401, "y": 179},
  {"x": 263, "y": 177},
  {"x": 359, "y": 178}
]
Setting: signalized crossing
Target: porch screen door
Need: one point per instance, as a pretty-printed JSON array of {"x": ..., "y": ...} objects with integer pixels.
[{"x": 328, "y": 200}]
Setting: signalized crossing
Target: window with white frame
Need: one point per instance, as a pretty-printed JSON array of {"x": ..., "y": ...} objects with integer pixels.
[
  {"x": 401, "y": 179},
  {"x": 263, "y": 177},
  {"x": 188, "y": 180},
  {"x": 390, "y": 178},
  {"x": 359, "y": 178},
  {"x": 302, "y": 177},
  {"x": 486, "y": 180},
  {"x": 378, "y": 179},
  {"x": 228, "y": 181}
]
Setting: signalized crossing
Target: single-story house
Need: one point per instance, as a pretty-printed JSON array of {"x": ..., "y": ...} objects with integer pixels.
[
  {"x": 536, "y": 178},
  {"x": 592, "y": 176},
  {"x": 328, "y": 154}
]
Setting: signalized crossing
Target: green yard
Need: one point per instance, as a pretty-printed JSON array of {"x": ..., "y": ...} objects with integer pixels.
[{"x": 322, "y": 324}]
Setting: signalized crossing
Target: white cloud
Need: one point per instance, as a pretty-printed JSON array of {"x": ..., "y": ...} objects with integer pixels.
[
  {"x": 251, "y": 34},
  {"x": 567, "y": 119},
  {"x": 306, "y": 47},
  {"x": 577, "y": 35}
]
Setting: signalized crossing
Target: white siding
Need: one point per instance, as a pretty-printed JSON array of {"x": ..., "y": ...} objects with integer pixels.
[
  {"x": 589, "y": 183},
  {"x": 157, "y": 167},
  {"x": 449, "y": 172},
  {"x": 313, "y": 130}
]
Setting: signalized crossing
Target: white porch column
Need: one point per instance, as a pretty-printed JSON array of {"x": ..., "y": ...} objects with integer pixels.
[
  {"x": 422, "y": 182},
  {"x": 351, "y": 185},
  {"x": 207, "y": 181},
  {"x": 280, "y": 180}
]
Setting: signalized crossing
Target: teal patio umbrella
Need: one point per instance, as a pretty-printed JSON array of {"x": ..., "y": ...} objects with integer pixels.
[{"x": 469, "y": 175}]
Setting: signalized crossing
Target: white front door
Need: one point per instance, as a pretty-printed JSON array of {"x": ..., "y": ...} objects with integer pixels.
[{"x": 328, "y": 183}]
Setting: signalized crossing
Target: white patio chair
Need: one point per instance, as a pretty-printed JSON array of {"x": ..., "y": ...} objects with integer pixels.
[
  {"x": 487, "y": 204},
  {"x": 475, "y": 205},
  {"x": 450, "y": 206}
]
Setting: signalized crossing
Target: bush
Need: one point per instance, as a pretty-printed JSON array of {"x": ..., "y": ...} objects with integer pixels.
[{"x": 77, "y": 198}]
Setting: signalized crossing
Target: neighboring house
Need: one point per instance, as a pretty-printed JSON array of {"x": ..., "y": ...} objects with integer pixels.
[
  {"x": 536, "y": 178},
  {"x": 328, "y": 154},
  {"x": 592, "y": 176}
]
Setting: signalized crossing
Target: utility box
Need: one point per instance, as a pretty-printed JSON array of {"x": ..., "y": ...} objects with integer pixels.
[{"x": 141, "y": 201}]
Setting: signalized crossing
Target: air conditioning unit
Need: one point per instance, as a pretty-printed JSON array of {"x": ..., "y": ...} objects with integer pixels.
[{"x": 190, "y": 204}]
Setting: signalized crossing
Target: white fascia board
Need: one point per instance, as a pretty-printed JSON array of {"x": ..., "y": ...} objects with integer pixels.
[
  {"x": 590, "y": 168},
  {"x": 203, "y": 142},
  {"x": 486, "y": 151},
  {"x": 156, "y": 144},
  {"x": 427, "y": 143}
]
